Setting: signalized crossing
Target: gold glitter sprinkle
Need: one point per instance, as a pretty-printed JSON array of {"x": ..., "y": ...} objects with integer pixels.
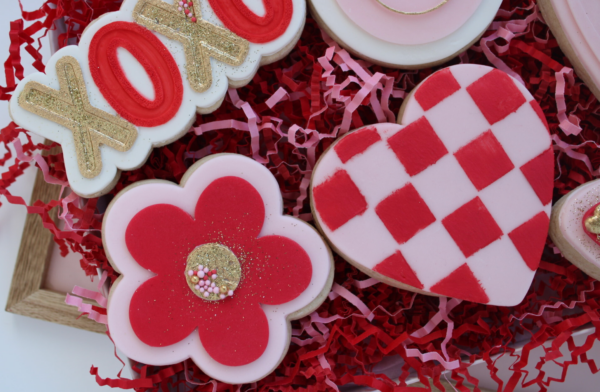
[
  {"x": 195, "y": 279},
  {"x": 201, "y": 40},
  {"x": 592, "y": 224},
  {"x": 214, "y": 257},
  {"x": 70, "y": 107}
]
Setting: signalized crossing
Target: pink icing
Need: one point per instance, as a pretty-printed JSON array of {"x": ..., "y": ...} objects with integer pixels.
[{"x": 409, "y": 29}]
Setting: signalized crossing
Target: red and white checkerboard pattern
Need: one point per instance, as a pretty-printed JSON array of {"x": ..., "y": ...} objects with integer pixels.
[{"x": 457, "y": 201}]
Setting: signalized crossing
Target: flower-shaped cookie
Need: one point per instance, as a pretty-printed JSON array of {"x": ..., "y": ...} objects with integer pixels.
[{"x": 211, "y": 270}]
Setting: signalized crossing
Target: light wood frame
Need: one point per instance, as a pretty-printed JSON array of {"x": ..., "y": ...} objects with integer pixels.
[{"x": 27, "y": 297}]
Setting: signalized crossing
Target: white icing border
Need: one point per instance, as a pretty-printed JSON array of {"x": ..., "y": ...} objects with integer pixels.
[
  {"x": 409, "y": 56},
  {"x": 145, "y": 193},
  {"x": 148, "y": 137}
]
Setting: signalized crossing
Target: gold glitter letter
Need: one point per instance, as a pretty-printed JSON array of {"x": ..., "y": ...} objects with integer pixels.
[
  {"x": 201, "y": 40},
  {"x": 70, "y": 107}
]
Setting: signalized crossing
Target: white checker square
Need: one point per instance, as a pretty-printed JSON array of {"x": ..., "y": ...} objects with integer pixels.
[
  {"x": 457, "y": 120},
  {"x": 511, "y": 201},
  {"x": 377, "y": 172},
  {"x": 516, "y": 131},
  {"x": 444, "y": 187},
  {"x": 469, "y": 73},
  {"x": 328, "y": 165},
  {"x": 502, "y": 272},
  {"x": 432, "y": 254},
  {"x": 364, "y": 239}
]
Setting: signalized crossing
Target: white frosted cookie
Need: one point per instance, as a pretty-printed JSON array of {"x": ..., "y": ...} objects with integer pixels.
[
  {"x": 139, "y": 76},
  {"x": 211, "y": 270},
  {"x": 405, "y": 34},
  {"x": 455, "y": 200},
  {"x": 576, "y": 26},
  {"x": 575, "y": 226}
]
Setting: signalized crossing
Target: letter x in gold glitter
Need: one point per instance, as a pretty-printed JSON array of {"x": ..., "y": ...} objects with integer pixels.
[
  {"x": 201, "y": 39},
  {"x": 70, "y": 107}
]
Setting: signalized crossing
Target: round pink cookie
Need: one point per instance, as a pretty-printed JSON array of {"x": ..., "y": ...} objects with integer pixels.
[
  {"x": 409, "y": 29},
  {"x": 567, "y": 227},
  {"x": 369, "y": 30},
  {"x": 455, "y": 201},
  {"x": 227, "y": 217}
]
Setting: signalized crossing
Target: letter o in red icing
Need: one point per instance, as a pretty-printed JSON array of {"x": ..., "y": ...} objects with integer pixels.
[
  {"x": 156, "y": 60},
  {"x": 237, "y": 17}
]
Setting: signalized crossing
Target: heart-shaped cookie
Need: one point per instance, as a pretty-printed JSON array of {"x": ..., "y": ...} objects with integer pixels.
[{"x": 456, "y": 201}]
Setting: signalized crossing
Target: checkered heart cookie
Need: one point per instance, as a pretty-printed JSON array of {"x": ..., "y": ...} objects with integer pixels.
[{"x": 455, "y": 201}]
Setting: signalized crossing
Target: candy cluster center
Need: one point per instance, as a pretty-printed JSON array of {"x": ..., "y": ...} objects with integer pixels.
[{"x": 213, "y": 272}]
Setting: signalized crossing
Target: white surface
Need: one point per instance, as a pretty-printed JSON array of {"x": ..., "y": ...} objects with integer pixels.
[{"x": 38, "y": 355}]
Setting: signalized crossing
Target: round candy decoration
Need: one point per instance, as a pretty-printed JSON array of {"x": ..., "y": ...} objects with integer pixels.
[
  {"x": 576, "y": 26},
  {"x": 455, "y": 201},
  {"x": 139, "y": 76},
  {"x": 211, "y": 270},
  {"x": 405, "y": 34},
  {"x": 575, "y": 227}
]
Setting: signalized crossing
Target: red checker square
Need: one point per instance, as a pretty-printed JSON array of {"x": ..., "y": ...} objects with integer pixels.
[
  {"x": 404, "y": 213},
  {"x": 462, "y": 284},
  {"x": 417, "y": 146},
  {"x": 496, "y": 95},
  {"x": 539, "y": 172},
  {"x": 530, "y": 238},
  {"x": 436, "y": 88},
  {"x": 356, "y": 143},
  {"x": 338, "y": 200},
  {"x": 472, "y": 227},
  {"x": 397, "y": 268},
  {"x": 484, "y": 160}
]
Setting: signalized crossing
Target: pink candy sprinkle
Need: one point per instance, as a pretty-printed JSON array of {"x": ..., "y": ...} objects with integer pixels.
[
  {"x": 190, "y": 272},
  {"x": 197, "y": 287},
  {"x": 222, "y": 296},
  {"x": 179, "y": 8},
  {"x": 200, "y": 267},
  {"x": 201, "y": 289},
  {"x": 201, "y": 274},
  {"x": 230, "y": 293},
  {"x": 206, "y": 294},
  {"x": 185, "y": 5},
  {"x": 212, "y": 284},
  {"x": 181, "y": 3},
  {"x": 214, "y": 276}
]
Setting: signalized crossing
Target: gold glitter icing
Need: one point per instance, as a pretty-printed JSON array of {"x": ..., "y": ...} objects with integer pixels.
[
  {"x": 201, "y": 39},
  {"x": 214, "y": 257},
  {"x": 592, "y": 224},
  {"x": 70, "y": 107}
]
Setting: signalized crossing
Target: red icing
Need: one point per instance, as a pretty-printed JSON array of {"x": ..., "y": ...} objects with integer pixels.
[
  {"x": 472, "y": 227},
  {"x": 540, "y": 113},
  {"x": 496, "y": 95},
  {"x": 356, "y": 143},
  {"x": 237, "y": 17},
  {"x": 158, "y": 63},
  {"x": 417, "y": 146},
  {"x": 404, "y": 213},
  {"x": 484, "y": 160},
  {"x": 164, "y": 310},
  {"x": 338, "y": 200},
  {"x": 589, "y": 213},
  {"x": 530, "y": 238},
  {"x": 436, "y": 88},
  {"x": 397, "y": 268},
  {"x": 461, "y": 284},
  {"x": 540, "y": 177}
]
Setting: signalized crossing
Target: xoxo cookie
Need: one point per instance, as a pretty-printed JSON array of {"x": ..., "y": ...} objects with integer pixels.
[
  {"x": 405, "y": 33},
  {"x": 139, "y": 76},
  {"x": 211, "y": 270},
  {"x": 455, "y": 201},
  {"x": 575, "y": 227},
  {"x": 576, "y": 26}
]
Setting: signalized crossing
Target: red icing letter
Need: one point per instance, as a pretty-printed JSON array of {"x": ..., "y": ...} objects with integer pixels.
[
  {"x": 236, "y": 16},
  {"x": 116, "y": 88}
]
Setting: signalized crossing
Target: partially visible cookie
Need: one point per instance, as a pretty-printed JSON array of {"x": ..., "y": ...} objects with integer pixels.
[
  {"x": 576, "y": 26},
  {"x": 405, "y": 34},
  {"x": 575, "y": 227}
]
